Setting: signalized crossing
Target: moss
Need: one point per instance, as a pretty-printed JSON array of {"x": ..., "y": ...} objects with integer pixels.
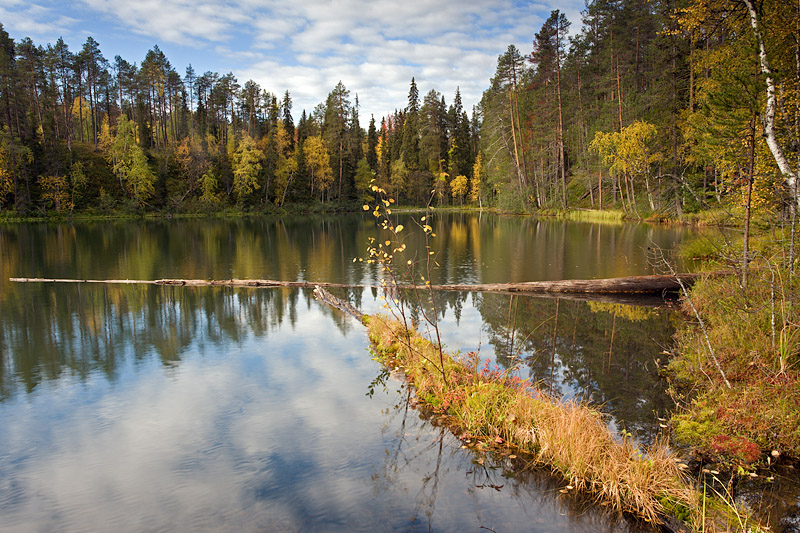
[{"x": 675, "y": 508}]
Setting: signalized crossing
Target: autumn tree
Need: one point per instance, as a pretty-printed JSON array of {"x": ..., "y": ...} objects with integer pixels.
[
  {"x": 129, "y": 163},
  {"x": 629, "y": 153},
  {"x": 318, "y": 162},
  {"x": 477, "y": 179},
  {"x": 458, "y": 188},
  {"x": 247, "y": 162}
]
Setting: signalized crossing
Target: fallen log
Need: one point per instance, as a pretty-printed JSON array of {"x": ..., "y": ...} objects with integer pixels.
[
  {"x": 194, "y": 282},
  {"x": 653, "y": 284}
]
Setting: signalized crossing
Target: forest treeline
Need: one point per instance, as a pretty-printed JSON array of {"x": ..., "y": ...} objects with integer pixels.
[{"x": 652, "y": 106}]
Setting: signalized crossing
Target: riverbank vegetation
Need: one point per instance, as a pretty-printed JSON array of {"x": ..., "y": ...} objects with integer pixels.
[{"x": 738, "y": 374}]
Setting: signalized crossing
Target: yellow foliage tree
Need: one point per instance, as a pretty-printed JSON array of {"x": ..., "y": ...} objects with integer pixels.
[
  {"x": 629, "y": 151},
  {"x": 55, "y": 191},
  {"x": 247, "y": 163},
  {"x": 477, "y": 178},
  {"x": 458, "y": 187},
  {"x": 194, "y": 164},
  {"x": 318, "y": 162}
]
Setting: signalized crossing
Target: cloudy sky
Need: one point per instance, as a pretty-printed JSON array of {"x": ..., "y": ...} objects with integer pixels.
[{"x": 373, "y": 47}]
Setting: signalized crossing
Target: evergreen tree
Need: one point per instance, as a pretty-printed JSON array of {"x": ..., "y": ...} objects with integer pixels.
[
  {"x": 372, "y": 145},
  {"x": 410, "y": 146}
]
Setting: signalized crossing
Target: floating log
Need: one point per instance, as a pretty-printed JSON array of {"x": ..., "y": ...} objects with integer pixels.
[
  {"x": 653, "y": 284},
  {"x": 193, "y": 282}
]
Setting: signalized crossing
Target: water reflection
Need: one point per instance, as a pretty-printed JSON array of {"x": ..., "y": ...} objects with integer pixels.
[
  {"x": 603, "y": 352},
  {"x": 426, "y": 460},
  {"x": 469, "y": 247},
  {"x": 140, "y": 407},
  {"x": 143, "y": 407}
]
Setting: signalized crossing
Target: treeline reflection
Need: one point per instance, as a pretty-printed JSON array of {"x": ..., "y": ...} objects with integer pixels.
[
  {"x": 468, "y": 248},
  {"x": 604, "y": 352}
]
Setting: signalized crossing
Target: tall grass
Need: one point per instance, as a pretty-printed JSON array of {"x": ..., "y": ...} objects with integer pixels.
[
  {"x": 569, "y": 437},
  {"x": 596, "y": 215},
  {"x": 605, "y": 216}
]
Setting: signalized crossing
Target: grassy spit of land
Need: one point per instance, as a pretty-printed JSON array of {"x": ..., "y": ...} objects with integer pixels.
[{"x": 571, "y": 438}]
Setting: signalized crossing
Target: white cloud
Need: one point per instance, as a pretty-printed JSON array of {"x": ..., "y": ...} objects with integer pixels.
[
  {"x": 175, "y": 21},
  {"x": 33, "y": 20}
]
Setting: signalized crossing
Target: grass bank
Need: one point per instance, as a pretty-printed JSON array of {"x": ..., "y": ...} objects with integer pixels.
[
  {"x": 571, "y": 438},
  {"x": 94, "y": 214},
  {"x": 607, "y": 216},
  {"x": 738, "y": 375}
]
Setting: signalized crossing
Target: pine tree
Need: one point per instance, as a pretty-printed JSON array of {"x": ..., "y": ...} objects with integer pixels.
[
  {"x": 410, "y": 147},
  {"x": 372, "y": 145}
]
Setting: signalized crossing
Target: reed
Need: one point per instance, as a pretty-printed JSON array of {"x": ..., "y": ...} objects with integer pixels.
[{"x": 595, "y": 215}]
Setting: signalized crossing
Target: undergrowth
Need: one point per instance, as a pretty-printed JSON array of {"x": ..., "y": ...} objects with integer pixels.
[{"x": 755, "y": 334}]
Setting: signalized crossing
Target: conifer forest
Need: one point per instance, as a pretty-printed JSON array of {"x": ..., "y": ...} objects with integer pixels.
[{"x": 656, "y": 108}]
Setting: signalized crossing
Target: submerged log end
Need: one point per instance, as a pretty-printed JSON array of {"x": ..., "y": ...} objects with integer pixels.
[{"x": 325, "y": 297}]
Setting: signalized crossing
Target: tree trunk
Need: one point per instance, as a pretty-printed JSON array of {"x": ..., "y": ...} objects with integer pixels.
[
  {"x": 751, "y": 141},
  {"x": 789, "y": 175}
]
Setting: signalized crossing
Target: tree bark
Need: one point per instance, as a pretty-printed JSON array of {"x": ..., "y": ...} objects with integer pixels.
[{"x": 789, "y": 175}]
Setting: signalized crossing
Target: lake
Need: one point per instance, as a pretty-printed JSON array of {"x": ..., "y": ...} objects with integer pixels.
[{"x": 136, "y": 407}]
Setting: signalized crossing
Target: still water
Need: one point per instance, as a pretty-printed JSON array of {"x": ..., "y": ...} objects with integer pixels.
[{"x": 173, "y": 408}]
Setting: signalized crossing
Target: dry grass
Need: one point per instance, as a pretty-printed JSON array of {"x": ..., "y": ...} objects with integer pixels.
[{"x": 569, "y": 437}]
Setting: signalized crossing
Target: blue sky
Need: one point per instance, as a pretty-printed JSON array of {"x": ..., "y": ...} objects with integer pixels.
[{"x": 373, "y": 47}]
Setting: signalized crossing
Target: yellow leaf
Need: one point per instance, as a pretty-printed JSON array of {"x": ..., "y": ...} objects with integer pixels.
[
  {"x": 366, "y": 207},
  {"x": 399, "y": 228}
]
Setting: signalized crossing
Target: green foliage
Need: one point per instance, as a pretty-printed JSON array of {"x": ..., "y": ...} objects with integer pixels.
[
  {"x": 208, "y": 186},
  {"x": 399, "y": 178},
  {"x": 247, "y": 163},
  {"x": 129, "y": 163},
  {"x": 364, "y": 178},
  {"x": 13, "y": 159}
]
